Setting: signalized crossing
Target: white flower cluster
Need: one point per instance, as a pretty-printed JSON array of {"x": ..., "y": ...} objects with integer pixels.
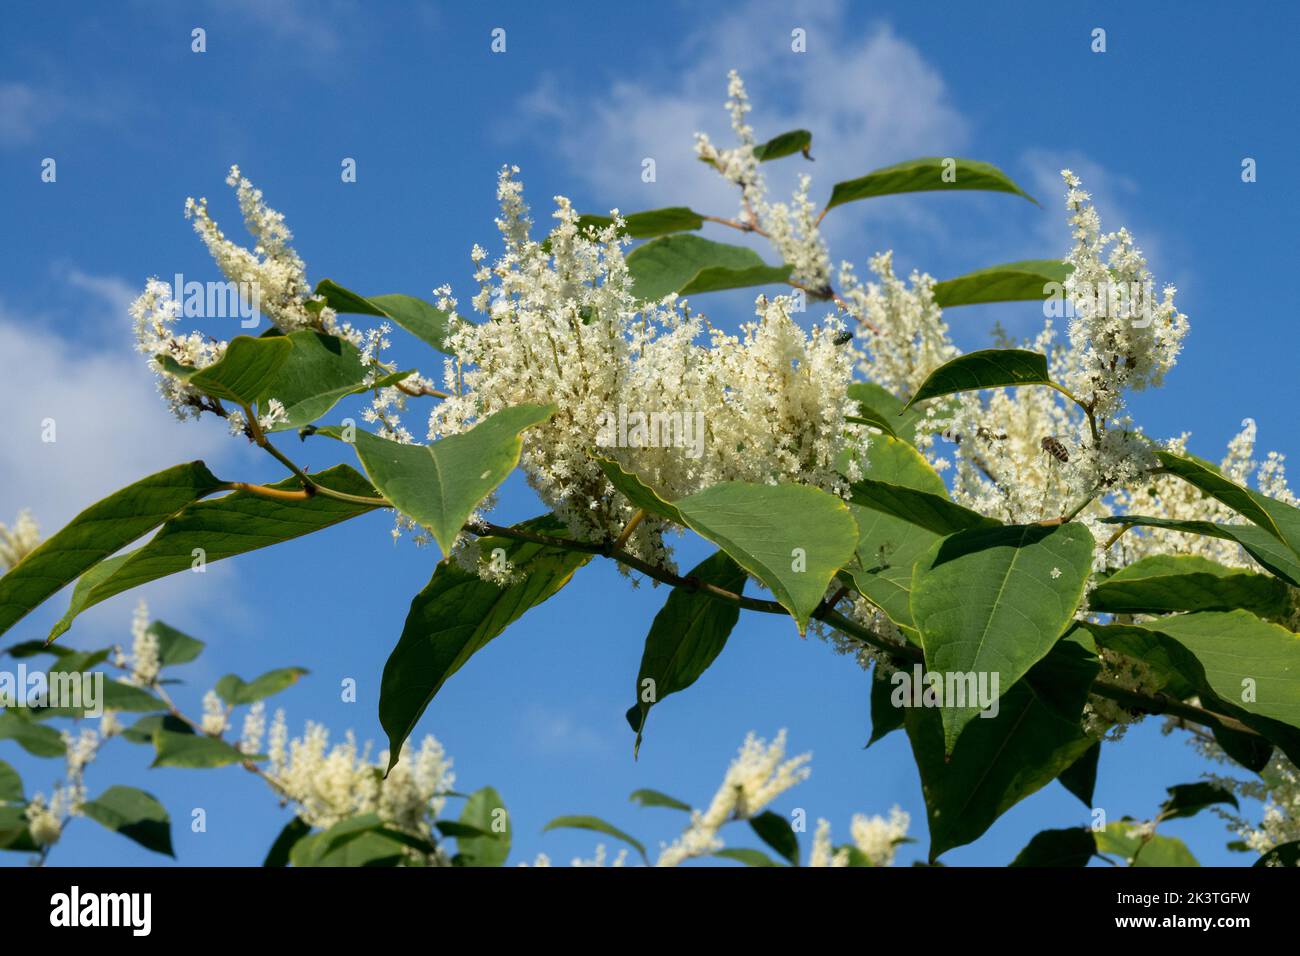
[
  {"x": 875, "y": 837},
  {"x": 46, "y": 818},
  {"x": 562, "y": 325},
  {"x": 19, "y": 541},
  {"x": 328, "y": 784},
  {"x": 143, "y": 664},
  {"x": 792, "y": 229},
  {"x": 759, "y": 774},
  {"x": 155, "y": 314}
]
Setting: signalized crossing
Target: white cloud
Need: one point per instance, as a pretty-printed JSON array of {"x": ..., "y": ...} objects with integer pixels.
[
  {"x": 869, "y": 97},
  {"x": 24, "y": 111}
]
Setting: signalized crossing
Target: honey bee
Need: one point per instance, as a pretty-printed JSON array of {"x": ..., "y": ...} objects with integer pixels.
[{"x": 1053, "y": 447}]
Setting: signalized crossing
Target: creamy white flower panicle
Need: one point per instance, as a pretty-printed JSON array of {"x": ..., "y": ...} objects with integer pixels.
[
  {"x": 759, "y": 774},
  {"x": 792, "y": 229},
  {"x": 215, "y": 717},
  {"x": 143, "y": 664},
  {"x": 155, "y": 313},
  {"x": 46, "y": 817},
  {"x": 19, "y": 541},
  {"x": 562, "y": 325},
  {"x": 329, "y": 784}
]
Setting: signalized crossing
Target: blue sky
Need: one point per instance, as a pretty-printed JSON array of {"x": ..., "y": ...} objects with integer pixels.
[{"x": 1157, "y": 126}]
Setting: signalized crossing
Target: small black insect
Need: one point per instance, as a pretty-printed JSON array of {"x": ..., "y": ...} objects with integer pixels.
[
  {"x": 1053, "y": 447},
  {"x": 844, "y": 338}
]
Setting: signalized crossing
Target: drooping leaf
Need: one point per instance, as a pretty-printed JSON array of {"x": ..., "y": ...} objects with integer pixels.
[
  {"x": 651, "y": 223},
  {"x": 1167, "y": 583},
  {"x": 888, "y": 406},
  {"x": 236, "y": 692},
  {"x": 987, "y": 368},
  {"x": 440, "y": 484},
  {"x": 486, "y": 811},
  {"x": 994, "y": 601},
  {"x": 1028, "y": 280},
  {"x": 597, "y": 825},
  {"x": 686, "y": 636},
  {"x": 653, "y": 798},
  {"x": 320, "y": 371},
  {"x": 1058, "y": 848},
  {"x": 206, "y": 531},
  {"x": 1080, "y": 778},
  {"x": 1189, "y": 799},
  {"x": 932, "y": 173},
  {"x": 641, "y": 495},
  {"x": 11, "y": 785},
  {"x": 924, "y": 509},
  {"x": 457, "y": 614},
  {"x": 37, "y": 739},
  {"x": 242, "y": 374},
  {"x": 144, "y": 729},
  {"x": 136, "y": 815},
  {"x": 1262, "y": 545},
  {"x": 293, "y": 831},
  {"x": 421, "y": 319},
  {"x": 691, "y": 264},
  {"x": 174, "y": 749},
  {"x": 775, "y": 830},
  {"x": 1001, "y": 760},
  {"x": 174, "y": 647},
  {"x": 103, "y": 528},
  {"x": 1287, "y": 854},
  {"x": 885, "y": 717},
  {"x": 784, "y": 144}
]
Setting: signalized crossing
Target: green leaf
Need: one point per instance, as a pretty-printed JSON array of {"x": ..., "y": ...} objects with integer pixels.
[
  {"x": 456, "y": 615},
  {"x": 651, "y": 223},
  {"x": 599, "y": 826},
  {"x": 129, "y": 699},
  {"x": 999, "y": 761},
  {"x": 439, "y": 485},
  {"x": 15, "y": 835},
  {"x": 486, "y": 811},
  {"x": 884, "y": 403},
  {"x": 173, "y": 646},
  {"x": 1189, "y": 799},
  {"x": 1133, "y": 850},
  {"x": 174, "y": 749},
  {"x": 994, "y": 601},
  {"x": 222, "y": 528},
  {"x": 1262, "y": 545},
  {"x": 421, "y": 319},
  {"x": 793, "y": 538},
  {"x": 775, "y": 830},
  {"x": 1250, "y": 750},
  {"x": 242, "y": 374},
  {"x": 746, "y": 856},
  {"x": 987, "y": 368},
  {"x": 925, "y": 175},
  {"x": 144, "y": 729},
  {"x": 358, "y": 841},
  {"x": 1167, "y": 583},
  {"x": 1024, "y": 281},
  {"x": 293, "y": 831},
  {"x": 11, "y": 785},
  {"x": 690, "y": 264},
  {"x": 924, "y": 509},
  {"x": 885, "y": 717},
  {"x": 320, "y": 371},
  {"x": 1279, "y": 519},
  {"x": 653, "y": 798},
  {"x": 894, "y": 461},
  {"x": 641, "y": 495},
  {"x": 687, "y": 635},
  {"x": 136, "y": 815},
  {"x": 236, "y": 692},
  {"x": 99, "y": 531},
  {"x": 37, "y": 739},
  {"x": 786, "y": 144},
  {"x": 1058, "y": 848},
  {"x": 1080, "y": 778}
]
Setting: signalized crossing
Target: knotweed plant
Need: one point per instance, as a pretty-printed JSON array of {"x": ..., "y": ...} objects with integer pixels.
[{"x": 1022, "y": 566}]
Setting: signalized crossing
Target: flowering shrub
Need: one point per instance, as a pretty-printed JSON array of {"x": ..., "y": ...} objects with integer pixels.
[{"x": 1070, "y": 576}]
